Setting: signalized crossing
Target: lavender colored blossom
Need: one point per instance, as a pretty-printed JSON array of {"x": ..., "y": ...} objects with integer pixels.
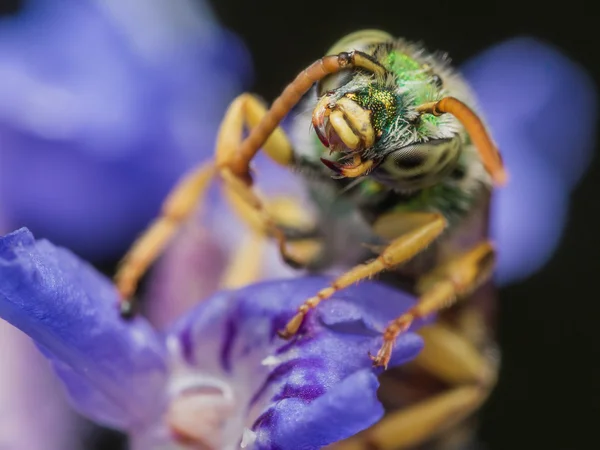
[
  {"x": 103, "y": 105},
  {"x": 220, "y": 375}
]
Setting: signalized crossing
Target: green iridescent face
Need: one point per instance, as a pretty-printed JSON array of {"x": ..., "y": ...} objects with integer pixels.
[{"x": 382, "y": 104}]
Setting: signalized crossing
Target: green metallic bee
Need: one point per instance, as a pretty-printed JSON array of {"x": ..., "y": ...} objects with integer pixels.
[{"x": 399, "y": 161}]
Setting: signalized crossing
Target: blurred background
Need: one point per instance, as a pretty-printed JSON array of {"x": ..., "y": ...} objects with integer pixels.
[{"x": 548, "y": 395}]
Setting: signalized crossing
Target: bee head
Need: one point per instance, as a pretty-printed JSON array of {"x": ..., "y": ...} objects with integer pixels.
[
  {"x": 365, "y": 120},
  {"x": 391, "y": 116}
]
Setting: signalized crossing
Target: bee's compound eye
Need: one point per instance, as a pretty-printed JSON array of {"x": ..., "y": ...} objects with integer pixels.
[
  {"x": 437, "y": 80},
  {"x": 420, "y": 162},
  {"x": 411, "y": 158}
]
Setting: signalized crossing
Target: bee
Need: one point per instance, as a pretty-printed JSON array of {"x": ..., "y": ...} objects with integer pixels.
[{"x": 399, "y": 160}]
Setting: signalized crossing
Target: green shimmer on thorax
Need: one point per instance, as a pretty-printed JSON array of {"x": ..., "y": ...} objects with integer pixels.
[{"x": 409, "y": 70}]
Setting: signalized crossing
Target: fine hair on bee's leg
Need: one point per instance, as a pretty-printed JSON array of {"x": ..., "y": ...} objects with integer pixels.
[
  {"x": 438, "y": 290},
  {"x": 451, "y": 358},
  {"x": 427, "y": 227}
]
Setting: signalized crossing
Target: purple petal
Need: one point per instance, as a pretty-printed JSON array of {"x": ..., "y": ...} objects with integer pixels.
[
  {"x": 329, "y": 418},
  {"x": 107, "y": 364},
  {"x": 92, "y": 141},
  {"x": 529, "y": 213},
  {"x": 542, "y": 110},
  {"x": 288, "y": 386}
]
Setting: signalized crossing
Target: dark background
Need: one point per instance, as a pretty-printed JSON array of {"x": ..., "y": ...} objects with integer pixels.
[{"x": 548, "y": 396}]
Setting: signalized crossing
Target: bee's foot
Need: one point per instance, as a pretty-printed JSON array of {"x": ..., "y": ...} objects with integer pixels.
[
  {"x": 292, "y": 326},
  {"x": 382, "y": 359}
]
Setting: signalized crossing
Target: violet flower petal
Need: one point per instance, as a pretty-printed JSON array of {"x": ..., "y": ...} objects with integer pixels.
[
  {"x": 529, "y": 214},
  {"x": 107, "y": 364},
  {"x": 188, "y": 271},
  {"x": 290, "y": 387},
  {"x": 542, "y": 110},
  {"x": 117, "y": 372}
]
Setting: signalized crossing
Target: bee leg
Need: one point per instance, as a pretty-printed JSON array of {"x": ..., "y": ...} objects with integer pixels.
[
  {"x": 304, "y": 245},
  {"x": 244, "y": 267},
  {"x": 299, "y": 240},
  {"x": 248, "y": 111},
  {"x": 279, "y": 218},
  {"x": 178, "y": 206},
  {"x": 453, "y": 359},
  {"x": 181, "y": 203},
  {"x": 439, "y": 289},
  {"x": 397, "y": 252}
]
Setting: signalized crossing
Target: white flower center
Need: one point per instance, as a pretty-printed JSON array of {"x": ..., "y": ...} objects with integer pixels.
[{"x": 202, "y": 412}]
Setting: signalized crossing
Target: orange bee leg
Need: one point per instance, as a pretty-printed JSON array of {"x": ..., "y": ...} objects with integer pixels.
[
  {"x": 178, "y": 206},
  {"x": 439, "y": 289},
  {"x": 397, "y": 252}
]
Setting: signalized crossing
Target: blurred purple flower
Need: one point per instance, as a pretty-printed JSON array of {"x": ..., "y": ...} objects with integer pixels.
[
  {"x": 103, "y": 105},
  {"x": 542, "y": 109},
  {"x": 220, "y": 367}
]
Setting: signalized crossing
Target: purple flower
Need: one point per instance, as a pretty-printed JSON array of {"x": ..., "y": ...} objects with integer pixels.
[
  {"x": 103, "y": 105},
  {"x": 542, "y": 110},
  {"x": 219, "y": 375}
]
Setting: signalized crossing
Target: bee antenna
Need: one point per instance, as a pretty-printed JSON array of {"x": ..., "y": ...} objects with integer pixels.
[
  {"x": 292, "y": 94},
  {"x": 490, "y": 155}
]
